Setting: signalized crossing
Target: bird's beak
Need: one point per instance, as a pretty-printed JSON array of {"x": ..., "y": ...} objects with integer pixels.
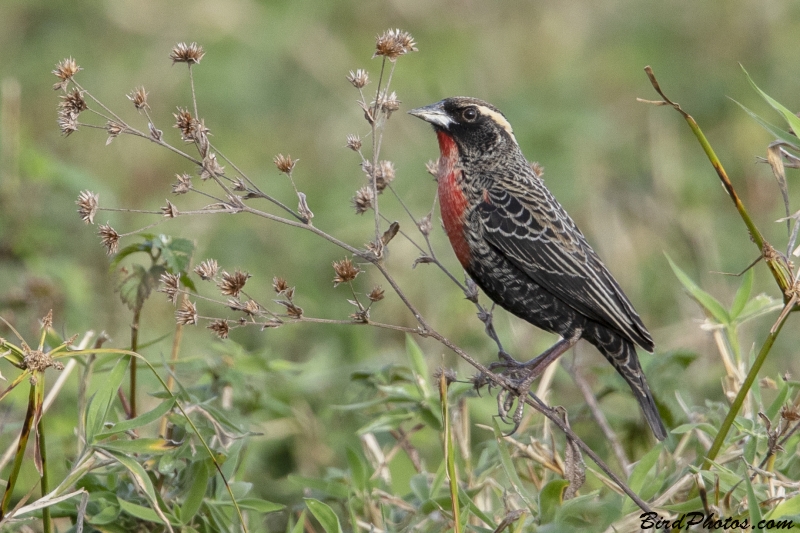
[{"x": 435, "y": 114}]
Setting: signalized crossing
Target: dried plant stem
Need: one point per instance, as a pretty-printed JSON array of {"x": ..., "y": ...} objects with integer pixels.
[
  {"x": 256, "y": 190},
  {"x": 375, "y": 154},
  {"x": 194, "y": 96},
  {"x": 782, "y": 274},
  {"x": 782, "y": 278}
]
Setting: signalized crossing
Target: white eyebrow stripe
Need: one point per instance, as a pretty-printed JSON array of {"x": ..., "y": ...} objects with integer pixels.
[{"x": 499, "y": 118}]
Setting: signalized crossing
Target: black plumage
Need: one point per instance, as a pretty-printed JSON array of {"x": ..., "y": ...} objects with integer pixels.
[{"x": 524, "y": 250}]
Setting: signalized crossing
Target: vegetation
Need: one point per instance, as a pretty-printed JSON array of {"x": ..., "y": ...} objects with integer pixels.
[{"x": 294, "y": 348}]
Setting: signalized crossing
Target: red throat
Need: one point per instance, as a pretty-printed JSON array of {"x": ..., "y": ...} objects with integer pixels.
[{"x": 451, "y": 197}]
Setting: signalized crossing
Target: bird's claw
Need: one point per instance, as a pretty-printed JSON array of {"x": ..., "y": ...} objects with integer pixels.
[{"x": 506, "y": 399}]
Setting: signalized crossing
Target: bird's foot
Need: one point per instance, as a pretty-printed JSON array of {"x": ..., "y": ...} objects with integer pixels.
[{"x": 520, "y": 377}]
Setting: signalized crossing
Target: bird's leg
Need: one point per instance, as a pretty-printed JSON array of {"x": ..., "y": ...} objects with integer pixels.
[
  {"x": 486, "y": 317},
  {"x": 525, "y": 374}
]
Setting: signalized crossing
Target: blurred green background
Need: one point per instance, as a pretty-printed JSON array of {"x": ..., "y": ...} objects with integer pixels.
[{"x": 273, "y": 80}]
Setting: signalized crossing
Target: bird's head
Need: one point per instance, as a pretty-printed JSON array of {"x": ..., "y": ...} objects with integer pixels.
[{"x": 471, "y": 123}]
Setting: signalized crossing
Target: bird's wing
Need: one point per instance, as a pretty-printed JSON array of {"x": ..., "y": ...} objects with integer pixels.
[{"x": 525, "y": 223}]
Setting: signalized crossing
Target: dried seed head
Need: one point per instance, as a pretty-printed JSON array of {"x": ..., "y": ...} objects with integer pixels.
[
  {"x": 448, "y": 373},
  {"x": 232, "y": 284},
  {"x": 73, "y": 102},
  {"x": 425, "y": 226},
  {"x": 790, "y": 413},
  {"x": 285, "y": 163},
  {"x": 251, "y": 307},
  {"x": 303, "y": 209},
  {"x": 393, "y": 43},
  {"x": 155, "y": 133},
  {"x": 65, "y": 69},
  {"x": 383, "y": 175},
  {"x": 432, "y": 168},
  {"x": 220, "y": 328},
  {"x": 387, "y": 103},
  {"x": 376, "y": 295},
  {"x": 362, "y": 201},
  {"x": 186, "y": 314},
  {"x": 67, "y": 122},
  {"x": 139, "y": 98},
  {"x": 187, "y": 124},
  {"x": 359, "y": 78},
  {"x": 537, "y": 168},
  {"x": 345, "y": 271},
  {"x": 354, "y": 142},
  {"x": 279, "y": 284},
  {"x": 375, "y": 248},
  {"x": 390, "y": 233},
  {"x": 207, "y": 270},
  {"x": 113, "y": 129},
  {"x": 47, "y": 321},
  {"x": 183, "y": 185},
  {"x": 109, "y": 238},
  {"x": 169, "y": 210},
  {"x": 294, "y": 311},
  {"x": 211, "y": 168},
  {"x": 87, "y": 206},
  {"x": 187, "y": 53},
  {"x": 170, "y": 284},
  {"x": 239, "y": 185}
]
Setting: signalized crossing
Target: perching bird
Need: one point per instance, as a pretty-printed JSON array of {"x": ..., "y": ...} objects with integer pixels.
[{"x": 518, "y": 244}]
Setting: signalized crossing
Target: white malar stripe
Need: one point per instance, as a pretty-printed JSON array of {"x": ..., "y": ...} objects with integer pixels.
[{"x": 500, "y": 119}]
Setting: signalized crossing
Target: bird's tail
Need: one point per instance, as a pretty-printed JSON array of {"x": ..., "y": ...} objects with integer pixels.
[{"x": 621, "y": 353}]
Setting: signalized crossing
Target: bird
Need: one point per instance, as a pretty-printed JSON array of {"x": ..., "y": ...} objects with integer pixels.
[{"x": 519, "y": 245}]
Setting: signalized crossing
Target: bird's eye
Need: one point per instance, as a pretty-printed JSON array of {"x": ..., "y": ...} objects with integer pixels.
[{"x": 470, "y": 114}]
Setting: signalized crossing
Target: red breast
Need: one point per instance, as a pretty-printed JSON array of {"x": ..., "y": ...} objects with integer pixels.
[{"x": 451, "y": 197}]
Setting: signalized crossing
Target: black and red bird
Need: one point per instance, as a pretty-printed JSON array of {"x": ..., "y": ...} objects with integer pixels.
[{"x": 518, "y": 244}]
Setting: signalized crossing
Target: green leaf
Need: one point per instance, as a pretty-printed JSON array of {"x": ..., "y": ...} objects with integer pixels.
[
  {"x": 324, "y": 515},
  {"x": 702, "y": 426},
  {"x": 100, "y": 403},
  {"x": 141, "y": 420},
  {"x": 779, "y": 401},
  {"x": 752, "y": 502},
  {"x": 299, "y": 527},
  {"x": 708, "y": 302},
  {"x": 470, "y": 508},
  {"x": 778, "y": 133},
  {"x": 136, "y": 284},
  {"x": 199, "y": 473},
  {"x": 147, "y": 446},
  {"x": 742, "y": 294},
  {"x": 418, "y": 367},
  {"x": 109, "y": 512},
  {"x": 141, "y": 479},
  {"x": 791, "y": 119},
  {"x": 358, "y": 470},
  {"x": 420, "y": 488},
  {"x": 259, "y": 505},
  {"x": 128, "y": 250},
  {"x": 551, "y": 498},
  {"x": 138, "y": 511},
  {"x": 639, "y": 474},
  {"x": 386, "y": 422},
  {"x": 329, "y": 488},
  {"x": 786, "y": 507},
  {"x": 508, "y": 467},
  {"x": 176, "y": 253}
]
